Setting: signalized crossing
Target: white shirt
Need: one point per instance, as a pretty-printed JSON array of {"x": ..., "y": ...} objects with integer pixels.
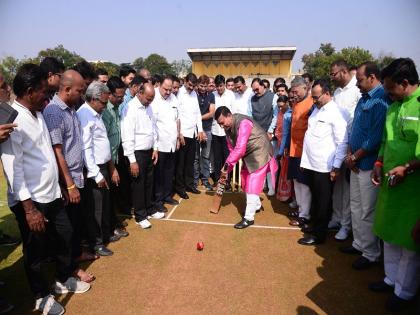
[
  {"x": 28, "y": 160},
  {"x": 325, "y": 142},
  {"x": 226, "y": 99},
  {"x": 165, "y": 116},
  {"x": 189, "y": 113},
  {"x": 347, "y": 98},
  {"x": 241, "y": 102},
  {"x": 96, "y": 146},
  {"x": 138, "y": 131}
]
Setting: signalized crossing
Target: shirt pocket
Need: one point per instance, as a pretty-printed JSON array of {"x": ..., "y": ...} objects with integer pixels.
[
  {"x": 321, "y": 130},
  {"x": 409, "y": 128}
]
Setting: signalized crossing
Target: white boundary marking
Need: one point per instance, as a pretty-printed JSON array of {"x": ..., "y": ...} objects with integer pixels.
[
  {"x": 231, "y": 224},
  {"x": 173, "y": 210}
]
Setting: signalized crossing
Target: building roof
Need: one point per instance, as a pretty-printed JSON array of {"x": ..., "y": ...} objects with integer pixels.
[{"x": 242, "y": 53}]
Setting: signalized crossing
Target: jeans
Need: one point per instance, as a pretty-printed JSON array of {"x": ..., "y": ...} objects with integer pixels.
[{"x": 202, "y": 160}]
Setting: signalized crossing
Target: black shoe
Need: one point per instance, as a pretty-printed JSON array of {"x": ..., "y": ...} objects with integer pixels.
[
  {"x": 160, "y": 207},
  {"x": 171, "y": 201},
  {"x": 362, "y": 263},
  {"x": 306, "y": 228},
  {"x": 194, "y": 190},
  {"x": 350, "y": 250},
  {"x": 310, "y": 240},
  {"x": 6, "y": 240},
  {"x": 380, "y": 286},
  {"x": 396, "y": 304},
  {"x": 243, "y": 224},
  {"x": 114, "y": 238},
  {"x": 103, "y": 251},
  {"x": 183, "y": 194},
  {"x": 121, "y": 232}
]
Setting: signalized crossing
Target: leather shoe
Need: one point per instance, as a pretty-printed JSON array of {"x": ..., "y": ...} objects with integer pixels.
[
  {"x": 103, "y": 251},
  {"x": 363, "y": 263},
  {"x": 300, "y": 222},
  {"x": 310, "y": 240},
  {"x": 306, "y": 228},
  {"x": 194, "y": 190},
  {"x": 171, "y": 201},
  {"x": 243, "y": 224},
  {"x": 350, "y": 250},
  {"x": 183, "y": 195},
  {"x": 396, "y": 304},
  {"x": 380, "y": 286}
]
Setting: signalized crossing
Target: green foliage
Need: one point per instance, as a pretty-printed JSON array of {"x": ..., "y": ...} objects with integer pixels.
[
  {"x": 111, "y": 68},
  {"x": 69, "y": 58},
  {"x": 8, "y": 67},
  {"x": 157, "y": 64},
  {"x": 318, "y": 63},
  {"x": 138, "y": 63}
]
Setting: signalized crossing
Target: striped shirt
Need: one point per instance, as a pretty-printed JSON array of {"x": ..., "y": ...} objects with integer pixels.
[
  {"x": 368, "y": 125},
  {"x": 64, "y": 129}
]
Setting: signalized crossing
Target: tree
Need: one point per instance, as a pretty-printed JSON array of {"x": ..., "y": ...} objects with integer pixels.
[
  {"x": 355, "y": 55},
  {"x": 157, "y": 64},
  {"x": 384, "y": 60},
  {"x": 111, "y": 68},
  {"x": 138, "y": 63},
  {"x": 69, "y": 58},
  {"x": 9, "y": 67},
  {"x": 181, "y": 67}
]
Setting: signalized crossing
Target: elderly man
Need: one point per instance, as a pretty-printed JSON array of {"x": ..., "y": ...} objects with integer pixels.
[
  {"x": 138, "y": 133},
  {"x": 243, "y": 96},
  {"x": 66, "y": 139},
  {"x": 324, "y": 149},
  {"x": 346, "y": 96},
  {"x": 165, "y": 117},
  {"x": 100, "y": 168},
  {"x": 34, "y": 194},
  {"x": 247, "y": 141},
  {"x": 120, "y": 194},
  {"x": 397, "y": 172},
  {"x": 191, "y": 128},
  {"x": 364, "y": 143},
  {"x": 304, "y": 102}
]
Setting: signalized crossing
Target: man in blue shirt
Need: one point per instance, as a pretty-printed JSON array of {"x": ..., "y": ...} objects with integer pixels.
[{"x": 364, "y": 143}]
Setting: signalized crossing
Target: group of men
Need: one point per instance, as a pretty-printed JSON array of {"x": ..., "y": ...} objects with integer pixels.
[{"x": 85, "y": 145}]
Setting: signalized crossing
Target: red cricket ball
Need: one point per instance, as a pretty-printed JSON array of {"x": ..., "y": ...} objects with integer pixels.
[{"x": 200, "y": 246}]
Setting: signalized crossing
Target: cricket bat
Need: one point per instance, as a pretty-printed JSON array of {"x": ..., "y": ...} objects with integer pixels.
[{"x": 217, "y": 199}]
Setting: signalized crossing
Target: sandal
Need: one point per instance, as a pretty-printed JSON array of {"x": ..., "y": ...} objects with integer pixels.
[{"x": 293, "y": 213}]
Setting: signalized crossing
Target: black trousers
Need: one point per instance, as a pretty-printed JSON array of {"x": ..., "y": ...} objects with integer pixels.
[
  {"x": 184, "y": 178},
  {"x": 121, "y": 195},
  {"x": 37, "y": 246},
  {"x": 163, "y": 176},
  {"x": 321, "y": 189},
  {"x": 220, "y": 153},
  {"x": 142, "y": 186},
  {"x": 98, "y": 210},
  {"x": 74, "y": 212}
]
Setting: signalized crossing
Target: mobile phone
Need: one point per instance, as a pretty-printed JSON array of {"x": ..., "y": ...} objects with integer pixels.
[{"x": 7, "y": 114}]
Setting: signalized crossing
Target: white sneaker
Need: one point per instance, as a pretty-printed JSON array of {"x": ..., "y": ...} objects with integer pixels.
[
  {"x": 293, "y": 204},
  {"x": 49, "y": 306},
  {"x": 157, "y": 215},
  {"x": 71, "y": 285},
  {"x": 144, "y": 224},
  {"x": 332, "y": 225},
  {"x": 342, "y": 234}
]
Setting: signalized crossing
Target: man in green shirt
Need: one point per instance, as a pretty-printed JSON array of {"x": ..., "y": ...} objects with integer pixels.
[
  {"x": 120, "y": 194},
  {"x": 397, "y": 173}
]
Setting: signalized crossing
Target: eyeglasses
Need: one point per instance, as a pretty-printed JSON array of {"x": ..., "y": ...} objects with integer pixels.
[{"x": 333, "y": 74}]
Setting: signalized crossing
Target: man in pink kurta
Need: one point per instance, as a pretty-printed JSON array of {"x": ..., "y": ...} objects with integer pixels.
[{"x": 248, "y": 141}]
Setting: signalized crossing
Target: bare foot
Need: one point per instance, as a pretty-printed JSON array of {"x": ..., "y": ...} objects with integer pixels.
[{"x": 84, "y": 276}]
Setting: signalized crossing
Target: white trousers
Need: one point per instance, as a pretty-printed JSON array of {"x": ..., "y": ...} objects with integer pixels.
[
  {"x": 253, "y": 203},
  {"x": 402, "y": 270},
  {"x": 341, "y": 200},
  {"x": 362, "y": 204},
  {"x": 303, "y": 199}
]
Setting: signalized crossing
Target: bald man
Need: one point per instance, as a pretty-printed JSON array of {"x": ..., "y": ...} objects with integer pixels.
[
  {"x": 139, "y": 141},
  {"x": 66, "y": 139},
  {"x": 143, "y": 72}
]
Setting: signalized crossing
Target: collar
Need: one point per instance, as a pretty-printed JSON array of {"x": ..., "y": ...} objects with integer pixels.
[
  {"x": 111, "y": 106},
  {"x": 26, "y": 109},
  {"x": 139, "y": 104},
  {"x": 92, "y": 111},
  {"x": 413, "y": 95},
  {"x": 58, "y": 101}
]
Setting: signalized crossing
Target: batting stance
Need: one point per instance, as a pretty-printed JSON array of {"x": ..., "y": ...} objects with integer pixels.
[{"x": 247, "y": 140}]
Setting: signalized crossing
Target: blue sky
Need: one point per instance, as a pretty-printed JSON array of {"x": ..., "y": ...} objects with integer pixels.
[{"x": 120, "y": 31}]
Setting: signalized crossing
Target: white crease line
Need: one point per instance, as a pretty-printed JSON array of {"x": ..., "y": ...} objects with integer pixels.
[
  {"x": 229, "y": 224},
  {"x": 174, "y": 208}
]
